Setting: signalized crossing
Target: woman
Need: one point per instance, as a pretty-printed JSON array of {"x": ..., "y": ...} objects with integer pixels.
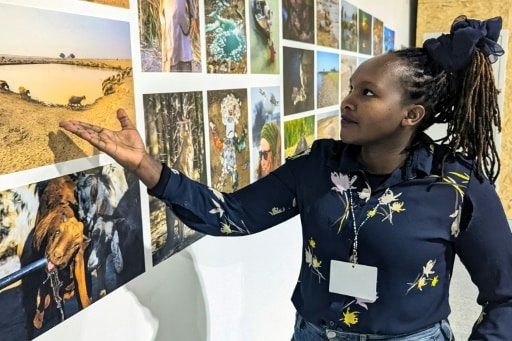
[
  {"x": 270, "y": 149},
  {"x": 385, "y": 210}
]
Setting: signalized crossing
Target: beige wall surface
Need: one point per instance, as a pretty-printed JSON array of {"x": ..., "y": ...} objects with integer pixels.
[{"x": 437, "y": 16}]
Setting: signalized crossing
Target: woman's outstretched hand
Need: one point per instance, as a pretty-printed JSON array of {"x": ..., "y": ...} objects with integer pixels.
[{"x": 125, "y": 146}]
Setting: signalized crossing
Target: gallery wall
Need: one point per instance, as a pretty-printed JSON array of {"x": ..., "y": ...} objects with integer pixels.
[{"x": 179, "y": 285}]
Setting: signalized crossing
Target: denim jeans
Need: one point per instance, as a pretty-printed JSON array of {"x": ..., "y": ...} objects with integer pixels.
[{"x": 305, "y": 331}]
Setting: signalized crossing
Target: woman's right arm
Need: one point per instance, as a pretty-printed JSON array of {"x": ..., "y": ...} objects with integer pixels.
[
  {"x": 251, "y": 209},
  {"x": 125, "y": 146}
]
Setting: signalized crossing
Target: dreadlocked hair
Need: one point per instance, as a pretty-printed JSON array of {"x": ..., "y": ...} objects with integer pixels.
[{"x": 466, "y": 100}]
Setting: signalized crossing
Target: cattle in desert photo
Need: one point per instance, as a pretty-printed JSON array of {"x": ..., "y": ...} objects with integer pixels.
[{"x": 90, "y": 79}]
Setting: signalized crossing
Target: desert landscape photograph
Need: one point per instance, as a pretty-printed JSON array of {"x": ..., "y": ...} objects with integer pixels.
[
  {"x": 328, "y": 125},
  {"x": 116, "y": 3},
  {"x": 327, "y": 79},
  {"x": 59, "y": 66}
]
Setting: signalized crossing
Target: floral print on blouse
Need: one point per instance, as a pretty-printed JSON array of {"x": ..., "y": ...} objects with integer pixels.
[{"x": 410, "y": 227}]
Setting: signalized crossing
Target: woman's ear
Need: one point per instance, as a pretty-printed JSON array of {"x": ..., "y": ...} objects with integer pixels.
[{"x": 414, "y": 115}]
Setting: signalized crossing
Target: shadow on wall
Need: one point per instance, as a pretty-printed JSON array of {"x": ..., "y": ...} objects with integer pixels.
[{"x": 172, "y": 292}]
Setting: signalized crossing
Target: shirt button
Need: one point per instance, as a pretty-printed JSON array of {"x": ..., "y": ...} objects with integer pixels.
[
  {"x": 331, "y": 323},
  {"x": 331, "y": 334}
]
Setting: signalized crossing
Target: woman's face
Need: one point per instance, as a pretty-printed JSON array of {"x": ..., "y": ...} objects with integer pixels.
[
  {"x": 265, "y": 157},
  {"x": 373, "y": 111}
]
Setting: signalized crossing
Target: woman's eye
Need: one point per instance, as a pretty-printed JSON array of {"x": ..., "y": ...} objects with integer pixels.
[{"x": 368, "y": 92}]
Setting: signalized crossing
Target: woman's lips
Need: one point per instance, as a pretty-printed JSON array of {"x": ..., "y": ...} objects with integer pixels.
[{"x": 347, "y": 120}]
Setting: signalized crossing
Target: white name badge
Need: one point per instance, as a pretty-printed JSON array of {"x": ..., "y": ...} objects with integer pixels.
[{"x": 355, "y": 280}]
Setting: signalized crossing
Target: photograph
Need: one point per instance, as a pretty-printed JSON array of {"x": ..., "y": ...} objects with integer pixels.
[
  {"x": 348, "y": 65},
  {"x": 378, "y": 37},
  {"x": 116, "y": 3},
  {"x": 349, "y": 26},
  {"x": 174, "y": 136},
  {"x": 226, "y": 41},
  {"x": 66, "y": 243},
  {"x": 264, "y": 37},
  {"x": 299, "y": 20},
  {"x": 170, "y": 40},
  {"x": 327, "y": 79},
  {"x": 59, "y": 66},
  {"x": 389, "y": 39},
  {"x": 298, "y": 80},
  {"x": 266, "y": 131},
  {"x": 328, "y": 125},
  {"x": 299, "y": 135},
  {"x": 228, "y": 139},
  {"x": 328, "y": 23},
  {"x": 365, "y": 32}
]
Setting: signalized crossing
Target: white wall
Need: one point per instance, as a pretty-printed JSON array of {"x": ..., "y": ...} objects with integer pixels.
[{"x": 218, "y": 289}]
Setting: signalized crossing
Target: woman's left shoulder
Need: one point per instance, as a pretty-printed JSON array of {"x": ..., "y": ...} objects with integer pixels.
[
  {"x": 455, "y": 162},
  {"x": 320, "y": 148}
]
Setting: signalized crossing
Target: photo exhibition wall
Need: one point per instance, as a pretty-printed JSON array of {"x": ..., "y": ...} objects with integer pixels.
[{"x": 222, "y": 90}]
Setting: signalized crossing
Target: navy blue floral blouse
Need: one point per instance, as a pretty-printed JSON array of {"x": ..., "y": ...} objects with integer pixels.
[{"x": 415, "y": 221}]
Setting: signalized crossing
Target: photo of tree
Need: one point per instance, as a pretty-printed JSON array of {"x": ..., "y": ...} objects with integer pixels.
[{"x": 175, "y": 136}]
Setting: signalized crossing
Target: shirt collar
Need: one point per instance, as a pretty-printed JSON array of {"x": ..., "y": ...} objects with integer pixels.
[{"x": 419, "y": 162}]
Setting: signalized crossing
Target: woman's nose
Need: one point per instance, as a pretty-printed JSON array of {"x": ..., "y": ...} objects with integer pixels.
[{"x": 346, "y": 103}]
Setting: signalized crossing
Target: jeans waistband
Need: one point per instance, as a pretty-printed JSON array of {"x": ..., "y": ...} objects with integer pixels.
[{"x": 438, "y": 331}]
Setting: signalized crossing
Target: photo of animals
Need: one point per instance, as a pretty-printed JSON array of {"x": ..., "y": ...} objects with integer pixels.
[
  {"x": 228, "y": 135},
  {"x": 327, "y": 78},
  {"x": 79, "y": 67},
  {"x": 264, "y": 36},
  {"x": 298, "y": 80},
  {"x": 328, "y": 23},
  {"x": 175, "y": 136},
  {"x": 299, "y": 135},
  {"x": 76, "y": 237},
  {"x": 226, "y": 40},
  {"x": 170, "y": 39}
]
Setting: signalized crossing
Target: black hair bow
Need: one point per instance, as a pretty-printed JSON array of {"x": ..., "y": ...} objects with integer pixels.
[{"x": 453, "y": 52}]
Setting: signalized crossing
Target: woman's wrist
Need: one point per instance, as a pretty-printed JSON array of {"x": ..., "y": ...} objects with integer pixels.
[{"x": 149, "y": 171}]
